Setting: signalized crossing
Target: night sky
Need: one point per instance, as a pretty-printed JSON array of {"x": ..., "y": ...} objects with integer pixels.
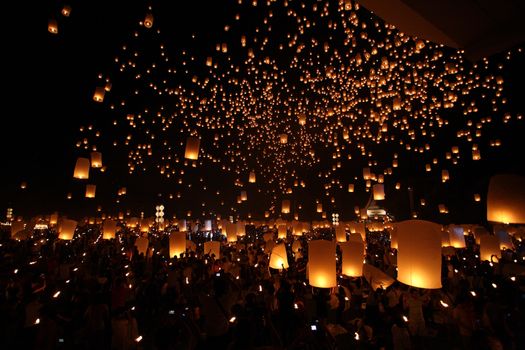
[{"x": 50, "y": 80}]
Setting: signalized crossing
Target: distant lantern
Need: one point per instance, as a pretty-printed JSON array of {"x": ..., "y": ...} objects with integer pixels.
[
  {"x": 442, "y": 209},
  {"x": 148, "y": 20},
  {"x": 366, "y": 173},
  {"x": 285, "y": 207},
  {"x": 477, "y": 197},
  {"x": 444, "y": 175},
  {"x": 419, "y": 254},
  {"x": 278, "y": 257},
  {"x": 363, "y": 214},
  {"x": 322, "y": 264},
  {"x": 66, "y": 231},
  {"x": 207, "y": 225},
  {"x": 456, "y": 236},
  {"x": 396, "y": 106},
  {"x": 244, "y": 196},
  {"x": 231, "y": 232},
  {"x": 350, "y": 188},
  {"x": 352, "y": 254},
  {"x": 177, "y": 243},
  {"x": 209, "y": 61},
  {"x": 379, "y": 192},
  {"x": 96, "y": 160},
  {"x": 23, "y": 185},
  {"x": 476, "y": 155},
  {"x": 302, "y": 119},
  {"x": 251, "y": 178},
  {"x": 53, "y": 219},
  {"x": 506, "y": 199},
  {"x": 319, "y": 207},
  {"x": 340, "y": 234},
  {"x": 489, "y": 248},
  {"x": 192, "y": 148},
  {"x": 142, "y": 245},
  {"x": 213, "y": 248},
  {"x": 182, "y": 225},
  {"x": 281, "y": 231},
  {"x": 283, "y": 138},
  {"x": 267, "y": 213},
  {"x": 81, "y": 169},
  {"x": 90, "y": 191},
  {"x": 52, "y": 26},
  {"x": 109, "y": 229},
  {"x": 98, "y": 96},
  {"x": 66, "y": 11},
  {"x": 240, "y": 228}
]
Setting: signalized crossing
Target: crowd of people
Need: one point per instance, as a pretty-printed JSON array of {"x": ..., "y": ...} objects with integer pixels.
[{"x": 90, "y": 293}]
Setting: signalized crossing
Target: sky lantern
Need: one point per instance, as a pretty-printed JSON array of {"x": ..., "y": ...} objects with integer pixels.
[
  {"x": 66, "y": 229},
  {"x": 456, "y": 236},
  {"x": 340, "y": 233},
  {"x": 109, "y": 229},
  {"x": 506, "y": 199},
  {"x": 476, "y": 155},
  {"x": 142, "y": 245},
  {"x": 53, "y": 219},
  {"x": 98, "y": 96},
  {"x": 192, "y": 148},
  {"x": 66, "y": 11},
  {"x": 182, "y": 225},
  {"x": 302, "y": 119},
  {"x": 285, "y": 207},
  {"x": 251, "y": 178},
  {"x": 477, "y": 197},
  {"x": 81, "y": 169},
  {"x": 351, "y": 188},
  {"x": 90, "y": 191},
  {"x": 489, "y": 248},
  {"x": 419, "y": 253},
  {"x": 321, "y": 264},
  {"x": 177, "y": 243},
  {"x": 207, "y": 225},
  {"x": 281, "y": 231},
  {"x": 52, "y": 26},
  {"x": 352, "y": 254},
  {"x": 244, "y": 196},
  {"x": 148, "y": 20},
  {"x": 213, "y": 247},
  {"x": 96, "y": 160},
  {"x": 283, "y": 138},
  {"x": 319, "y": 207},
  {"x": 241, "y": 228},
  {"x": 379, "y": 192},
  {"x": 278, "y": 257},
  {"x": 366, "y": 173},
  {"x": 231, "y": 232},
  {"x": 445, "y": 176}
]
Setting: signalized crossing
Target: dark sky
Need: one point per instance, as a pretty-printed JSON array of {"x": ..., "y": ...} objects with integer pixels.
[{"x": 50, "y": 80}]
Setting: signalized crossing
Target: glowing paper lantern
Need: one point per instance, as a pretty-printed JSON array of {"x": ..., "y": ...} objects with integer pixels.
[
  {"x": 281, "y": 232},
  {"x": 283, "y": 138},
  {"x": 98, "y": 96},
  {"x": 244, "y": 196},
  {"x": 456, "y": 236},
  {"x": 53, "y": 219},
  {"x": 350, "y": 188},
  {"x": 302, "y": 119},
  {"x": 231, "y": 232},
  {"x": 377, "y": 278},
  {"x": 67, "y": 229},
  {"x": 192, "y": 148},
  {"x": 445, "y": 239},
  {"x": 506, "y": 199},
  {"x": 419, "y": 254},
  {"x": 66, "y": 11},
  {"x": 90, "y": 191},
  {"x": 81, "y": 169},
  {"x": 148, "y": 20},
  {"x": 109, "y": 229},
  {"x": 366, "y": 173},
  {"x": 96, "y": 160},
  {"x": 379, "y": 192},
  {"x": 52, "y": 26},
  {"x": 213, "y": 247},
  {"x": 177, "y": 243},
  {"x": 278, "y": 257},
  {"x": 352, "y": 254},
  {"x": 321, "y": 264},
  {"x": 489, "y": 247},
  {"x": 241, "y": 228},
  {"x": 182, "y": 225},
  {"x": 142, "y": 245},
  {"x": 251, "y": 178},
  {"x": 207, "y": 225},
  {"x": 285, "y": 206},
  {"x": 340, "y": 234},
  {"x": 319, "y": 207},
  {"x": 445, "y": 176}
]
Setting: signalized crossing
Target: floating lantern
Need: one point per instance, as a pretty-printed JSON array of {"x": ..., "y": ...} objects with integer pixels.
[
  {"x": 366, "y": 173},
  {"x": 177, "y": 243},
  {"x": 251, "y": 178},
  {"x": 66, "y": 11},
  {"x": 444, "y": 176},
  {"x": 182, "y": 225},
  {"x": 244, "y": 196},
  {"x": 340, "y": 234},
  {"x": 207, "y": 225},
  {"x": 53, "y": 219},
  {"x": 109, "y": 229},
  {"x": 350, "y": 188},
  {"x": 321, "y": 264},
  {"x": 278, "y": 257},
  {"x": 192, "y": 148},
  {"x": 352, "y": 254},
  {"x": 148, "y": 20},
  {"x": 457, "y": 236},
  {"x": 66, "y": 229},
  {"x": 281, "y": 232},
  {"x": 285, "y": 207},
  {"x": 241, "y": 228},
  {"x": 379, "y": 192},
  {"x": 98, "y": 96},
  {"x": 90, "y": 191},
  {"x": 506, "y": 199},
  {"x": 419, "y": 254},
  {"x": 477, "y": 197},
  {"x": 283, "y": 138},
  {"x": 231, "y": 232},
  {"x": 213, "y": 248},
  {"x": 52, "y": 26},
  {"x": 489, "y": 247},
  {"x": 81, "y": 169},
  {"x": 319, "y": 207},
  {"x": 96, "y": 160},
  {"x": 302, "y": 119}
]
